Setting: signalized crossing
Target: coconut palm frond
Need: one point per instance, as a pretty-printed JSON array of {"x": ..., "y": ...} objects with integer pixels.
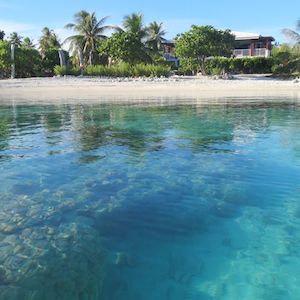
[
  {"x": 298, "y": 24},
  {"x": 291, "y": 34}
]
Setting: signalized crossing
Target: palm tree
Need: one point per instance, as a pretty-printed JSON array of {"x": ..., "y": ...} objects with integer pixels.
[
  {"x": 28, "y": 43},
  {"x": 89, "y": 31},
  {"x": 48, "y": 40},
  {"x": 134, "y": 23},
  {"x": 155, "y": 36},
  {"x": 15, "y": 39},
  {"x": 293, "y": 35}
]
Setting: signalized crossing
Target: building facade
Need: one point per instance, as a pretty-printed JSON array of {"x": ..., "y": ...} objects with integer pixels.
[
  {"x": 252, "y": 44},
  {"x": 246, "y": 45}
]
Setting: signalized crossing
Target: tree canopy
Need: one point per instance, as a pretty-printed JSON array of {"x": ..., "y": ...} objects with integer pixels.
[
  {"x": 48, "y": 40},
  {"x": 134, "y": 24},
  {"x": 126, "y": 47},
  {"x": 155, "y": 35},
  {"x": 202, "y": 42},
  {"x": 15, "y": 39}
]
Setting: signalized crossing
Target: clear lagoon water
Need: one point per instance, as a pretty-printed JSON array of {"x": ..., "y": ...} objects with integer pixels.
[{"x": 127, "y": 202}]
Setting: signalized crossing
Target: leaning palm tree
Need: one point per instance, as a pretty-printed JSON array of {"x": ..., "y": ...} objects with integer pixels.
[
  {"x": 134, "y": 23},
  {"x": 155, "y": 36},
  {"x": 89, "y": 31},
  {"x": 293, "y": 35},
  {"x": 48, "y": 40}
]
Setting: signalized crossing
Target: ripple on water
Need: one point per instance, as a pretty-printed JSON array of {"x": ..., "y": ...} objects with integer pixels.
[{"x": 130, "y": 202}]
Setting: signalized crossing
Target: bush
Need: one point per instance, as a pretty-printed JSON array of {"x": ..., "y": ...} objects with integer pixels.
[
  {"x": 246, "y": 65},
  {"x": 50, "y": 60},
  {"x": 217, "y": 65},
  {"x": 286, "y": 60},
  {"x": 119, "y": 70},
  {"x": 28, "y": 62},
  {"x": 61, "y": 71},
  {"x": 188, "y": 66},
  {"x": 291, "y": 67}
]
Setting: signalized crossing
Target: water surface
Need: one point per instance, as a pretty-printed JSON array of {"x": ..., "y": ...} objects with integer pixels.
[{"x": 150, "y": 202}]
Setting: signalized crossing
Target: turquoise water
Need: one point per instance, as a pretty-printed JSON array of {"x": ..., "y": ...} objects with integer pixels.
[{"x": 134, "y": 202}]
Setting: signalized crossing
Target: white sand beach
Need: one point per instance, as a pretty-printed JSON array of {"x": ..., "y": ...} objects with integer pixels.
[{"x": 81, "y": 90}]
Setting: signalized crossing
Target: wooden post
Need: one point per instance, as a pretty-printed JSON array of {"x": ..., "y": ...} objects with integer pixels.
[{"x": 252, "y": 50}]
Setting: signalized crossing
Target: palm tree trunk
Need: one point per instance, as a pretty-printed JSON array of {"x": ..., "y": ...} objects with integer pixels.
[
  {"x": 81, "y": 61},
  {"x": 13, "y": 70},
  {"x": 91, "y": 58}
]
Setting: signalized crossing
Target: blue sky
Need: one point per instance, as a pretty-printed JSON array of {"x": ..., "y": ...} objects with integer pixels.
[{"x": 266, "y": 17}]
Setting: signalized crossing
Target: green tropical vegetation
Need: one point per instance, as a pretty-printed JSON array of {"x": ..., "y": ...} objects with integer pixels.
[
  {"x": 15, "y": 39},
  {"x": 89, "y": 32},
  {"x": 136, "y": 49},
  {"x": 117, "y": 70},
  {"x": 287, "y": 57},
  {"x": 202, "y": 42}
]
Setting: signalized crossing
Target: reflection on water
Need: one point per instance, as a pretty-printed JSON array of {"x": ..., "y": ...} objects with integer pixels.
[{"x": 130, "y": 202}]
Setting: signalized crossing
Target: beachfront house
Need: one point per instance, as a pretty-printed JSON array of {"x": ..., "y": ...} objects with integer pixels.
[
  {"x": 252, "y": 44},
  {"x": 246, "y": 45}
]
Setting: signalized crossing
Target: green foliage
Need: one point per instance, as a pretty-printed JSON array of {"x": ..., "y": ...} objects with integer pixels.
[
  {"x": 246, "y": 65},
  {"x": 202, "y": 42},
  {"x": 125, "y": 47},
  {"x": 189, "y": 66},
  {"x": 50, "y": 60},
  {"x": 150, "y": 70},
  {"x": 134, "y": 24},
  {"x": 15, "y": 39},
  {"x": 61, "y": 71},
  {"x": 28, "y": 62},
  {"x": 155, "y": 36},
  {"x": 89, "y": 32},
  {"x": 28, "y": 43},
  {"x": 218, "y": 65},
  {"x": 286, "y": 60},
  {"x": 48, "y": 40},
  {"x": 4, "y": 59},
  {"x": 119, "y": 70}
]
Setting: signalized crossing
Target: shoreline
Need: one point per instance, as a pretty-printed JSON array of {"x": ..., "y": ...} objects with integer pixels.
[{"x": 134, "y": 90}]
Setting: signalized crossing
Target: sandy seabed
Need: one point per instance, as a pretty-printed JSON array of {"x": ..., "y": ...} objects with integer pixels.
[{"x": 171, "y": 90}]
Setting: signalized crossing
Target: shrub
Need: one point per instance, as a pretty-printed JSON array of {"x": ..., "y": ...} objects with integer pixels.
[
  {"x": 28, "y": 62},
  {"x": 289, "y": 68},
  {"x": 246, "y": 65},
  {"x": 286, "y": 60},
  {"x": 188, "y": 66},
  {"x": 61, "y": 71},
  {"x": 50, "y": 60},
  {"x": 119, "y": 70}
]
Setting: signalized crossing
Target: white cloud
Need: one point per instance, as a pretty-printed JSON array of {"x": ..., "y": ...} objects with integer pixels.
[{"x": 11, "y": 26}]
